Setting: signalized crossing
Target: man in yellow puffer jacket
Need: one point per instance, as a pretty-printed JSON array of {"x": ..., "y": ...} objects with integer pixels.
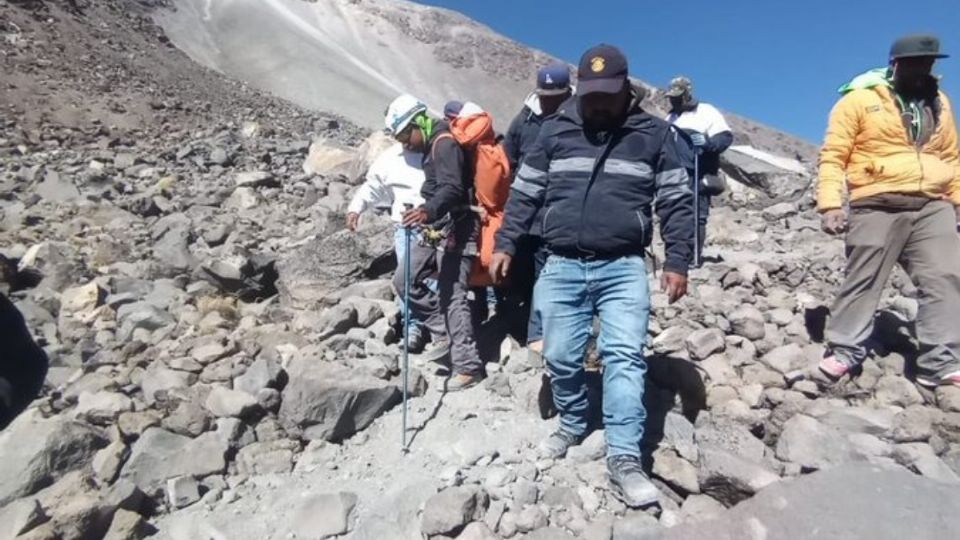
[{"x": 893, "y": 145}]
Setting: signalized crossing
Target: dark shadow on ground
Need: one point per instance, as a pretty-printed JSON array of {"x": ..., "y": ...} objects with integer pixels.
[
  {"x": 415, "y": 431},
  {"x": 815, "y": 319},
  {"x": 667, "y": 379}
]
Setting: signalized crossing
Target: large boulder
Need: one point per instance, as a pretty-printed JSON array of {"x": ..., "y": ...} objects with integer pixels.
[
  {"x": 325, "y": 515},
  {"x": 329, "y": 160},
  {"x": 853, "y": 501},
  {"x": 334, "y": 162},
  {"x": 332, "y": 402},
  {"x": 51, "y": 263},
  {"x": 775, "y": 177},
  {"x": 328, "y": 264},
  {"x": 172, "y": 235},
  {"x": 451, "y": 509},
  {"x": 731, "y": 478},
  {"x": 159, "y": 455},
  {"x": 813, "y": 445},
  {"x": 57, "y": 188},
  {"x": 141, "y": 315},
  {"x": 37, "y": 452},
  {"x": 250, "y": 277}
]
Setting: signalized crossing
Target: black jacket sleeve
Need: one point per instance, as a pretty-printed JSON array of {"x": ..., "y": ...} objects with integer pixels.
[
  {"x": 512, "y": 143},
  {"x": 451, "y": 189},
  {"x": 526, "y": 197},
  {"x": 675, "y": 201},
  {"x": 719, "y": 143}
]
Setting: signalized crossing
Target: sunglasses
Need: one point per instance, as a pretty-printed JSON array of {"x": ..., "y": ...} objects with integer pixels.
[{"x": 404, "y": 136}]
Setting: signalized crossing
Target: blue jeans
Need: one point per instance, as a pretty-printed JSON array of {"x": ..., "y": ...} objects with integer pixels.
[
  {"x": 569, "y": 293},
  {"x": 535, "y": 325},
  {"x": 400, "y": 249}
]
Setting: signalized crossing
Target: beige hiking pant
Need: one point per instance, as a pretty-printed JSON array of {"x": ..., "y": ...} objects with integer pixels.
[{"x": 926, "y": 244}]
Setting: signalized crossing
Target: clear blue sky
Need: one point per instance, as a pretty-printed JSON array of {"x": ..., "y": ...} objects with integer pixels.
[{"x": 774, "y": 61}]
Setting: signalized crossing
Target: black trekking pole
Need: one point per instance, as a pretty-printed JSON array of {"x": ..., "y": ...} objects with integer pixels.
[{"x": 696, "y": 208}]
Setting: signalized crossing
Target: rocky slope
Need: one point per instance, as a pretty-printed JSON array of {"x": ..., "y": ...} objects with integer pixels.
[
  {"x": 354, "y": 56},
  {"x": 225, "y": 360}
]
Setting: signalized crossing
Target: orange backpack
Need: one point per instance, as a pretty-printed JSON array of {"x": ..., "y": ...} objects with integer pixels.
[{"x": 491, "y": 181}]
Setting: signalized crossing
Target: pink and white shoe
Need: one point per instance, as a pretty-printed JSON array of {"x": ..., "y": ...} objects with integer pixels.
[
  {"x": 950, "y": 379},
  {"x": 833, "y": 368}
]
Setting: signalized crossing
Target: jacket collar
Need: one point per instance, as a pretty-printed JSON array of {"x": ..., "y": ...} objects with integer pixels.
[
  {"x": 689, "y": 106},
  {"x": 636, "y": 116}
]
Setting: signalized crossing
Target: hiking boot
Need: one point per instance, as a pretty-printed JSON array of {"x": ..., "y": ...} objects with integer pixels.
[
  {"x": 462, "y": 381},
  {"x": 629, "y": 483},
  {"x": 438, "y": 352},
  {"x": 556, "y": 445},
  {"x": 950, "y": 379},
  {"x": 833, "y": 367}
]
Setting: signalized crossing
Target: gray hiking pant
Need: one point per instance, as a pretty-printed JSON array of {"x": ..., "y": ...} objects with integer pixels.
[
  {"x": 456, "y": 254},
  {"x": 925, "y": 243},
  {"x": 454, "y": 279},
  {"x": 447, "y": 314}
]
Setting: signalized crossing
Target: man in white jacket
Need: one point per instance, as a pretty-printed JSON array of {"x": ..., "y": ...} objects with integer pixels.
[
  {"x": 394, "y": 181},
  {"x": 710, "y": 135}
]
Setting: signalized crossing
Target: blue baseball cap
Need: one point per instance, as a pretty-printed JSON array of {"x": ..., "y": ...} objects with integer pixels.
[
  {"x": 452, "y": 109},
  {"x": 553, "y": 80}
]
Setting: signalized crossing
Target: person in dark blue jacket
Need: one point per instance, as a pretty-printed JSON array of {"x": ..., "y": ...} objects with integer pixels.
[
  {"x": 553, "y": 89},
  {"x": 598, "y": 167}
]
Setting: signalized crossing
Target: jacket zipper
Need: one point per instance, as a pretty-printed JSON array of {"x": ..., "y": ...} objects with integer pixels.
[
  {"x": 643, "y": 228},
  {"x": 602, "y": 157},
  {"x": 902, "y": 106}
]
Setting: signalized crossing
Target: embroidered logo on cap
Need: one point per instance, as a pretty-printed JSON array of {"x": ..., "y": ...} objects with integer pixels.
[{"x": 597, "y": 64}]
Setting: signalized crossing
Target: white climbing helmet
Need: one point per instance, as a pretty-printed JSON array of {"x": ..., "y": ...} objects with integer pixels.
[{"x": 401, "y": 112}]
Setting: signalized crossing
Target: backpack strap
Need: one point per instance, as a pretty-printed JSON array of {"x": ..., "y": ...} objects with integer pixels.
[{"x": 433, "y": 146}]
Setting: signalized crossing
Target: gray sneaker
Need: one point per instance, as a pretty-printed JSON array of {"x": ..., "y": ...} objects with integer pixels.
[
  {"x": 556, "y": 445},
  {"x": 437, "y": 352},
  {"x": 629, "y": 483},
  {"x": 463, "y": 381}
]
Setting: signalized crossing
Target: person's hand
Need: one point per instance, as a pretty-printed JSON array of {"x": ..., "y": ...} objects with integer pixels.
[
  {"x": 674, "y": 284},
  {"x": 500, "y": 266},
  {"x": 353, "y": 219},
  {"x": 834, "y": 221},
  {"x": 417, "y": 216},
  {"x": 699, "y": 140}
]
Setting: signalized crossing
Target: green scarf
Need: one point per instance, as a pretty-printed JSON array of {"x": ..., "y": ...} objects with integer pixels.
[
  {"x": 870, "y": 79},
  {"x": 427, "y": 126}
]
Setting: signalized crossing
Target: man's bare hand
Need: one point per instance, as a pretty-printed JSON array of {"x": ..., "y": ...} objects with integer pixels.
[
  {"x": 834, "y": 221},
  {"x": 417, "y": 216},
  {"x": 500, "y": 266},
  {"x": 353, "y": 219},
  {"x": 674, "y": 284}
]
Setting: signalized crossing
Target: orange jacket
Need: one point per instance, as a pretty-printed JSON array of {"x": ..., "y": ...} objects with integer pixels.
[
  {"x": 491, "y": 182},
  {"x": 867, "y": 148}
]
